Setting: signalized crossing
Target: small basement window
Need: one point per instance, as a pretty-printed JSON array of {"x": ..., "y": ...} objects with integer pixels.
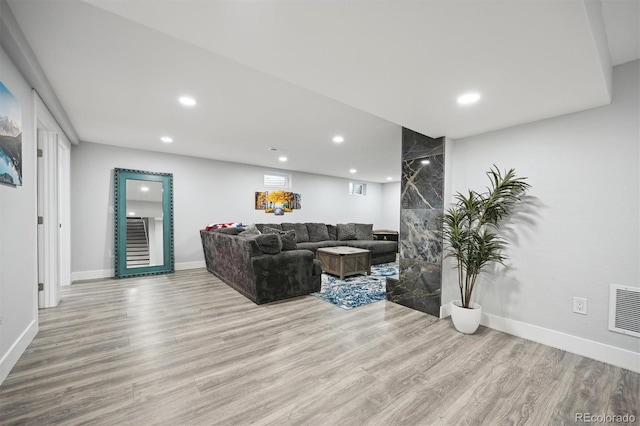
[
  {"x": 277, "y": 180},
  {"x": 356, "y": 188}
]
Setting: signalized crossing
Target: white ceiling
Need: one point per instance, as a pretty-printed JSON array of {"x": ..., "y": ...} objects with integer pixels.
[{"x": 291, "y": 74}]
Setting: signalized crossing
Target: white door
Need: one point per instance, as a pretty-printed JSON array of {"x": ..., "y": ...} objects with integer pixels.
[
  {"x": 48, "y": 221},
  {"x": 40, "y": 171}
]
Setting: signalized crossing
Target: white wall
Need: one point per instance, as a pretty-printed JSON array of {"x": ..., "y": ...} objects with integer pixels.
[
  {"x": 584, "y": 230},
  {"x": 390, "y": 206},
  {"x": 205, "y": 191},
  {"x": 18, "y": 279}
]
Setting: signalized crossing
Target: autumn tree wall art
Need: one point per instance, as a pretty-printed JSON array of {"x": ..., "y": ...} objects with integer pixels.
[{"x": 277, "y": 202}]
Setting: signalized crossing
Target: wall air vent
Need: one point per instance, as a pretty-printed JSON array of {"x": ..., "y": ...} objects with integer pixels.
[{"x": 624, "y": 310}]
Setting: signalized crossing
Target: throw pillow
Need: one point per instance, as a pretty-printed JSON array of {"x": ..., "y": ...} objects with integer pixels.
[
  {"x": 302, "y": 235},
  {"x": 261, "y": 226},
  {"x": 250, "y": 230},
  {"x": 317, "y": 232},
  {"x": 346, "y": 231},
  {"x": 214, "y": 226},
  {"x": 288, "y": 237},
  {"x": 364, "y": 231},
  {"x": 269, "y": 243},
  {"x": 333, "y": 232},
  {"x": 230, "y": 231}
]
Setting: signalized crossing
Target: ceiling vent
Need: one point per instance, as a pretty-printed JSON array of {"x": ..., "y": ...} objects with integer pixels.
[{"x": 624, "y": 310}]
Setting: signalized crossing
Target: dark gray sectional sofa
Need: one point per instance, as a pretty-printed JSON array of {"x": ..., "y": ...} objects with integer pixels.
[
  {"x": 262, "y": 269},
  {"x": 312, "y": 236},
  {"x": 241, "y": 262}
]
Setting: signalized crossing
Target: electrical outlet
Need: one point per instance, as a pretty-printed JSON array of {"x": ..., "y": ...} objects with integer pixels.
[{"x": 580, "y": 305}]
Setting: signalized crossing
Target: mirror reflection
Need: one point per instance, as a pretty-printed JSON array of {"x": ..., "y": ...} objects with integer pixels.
[
  {"x": 143, "y": 223},
  {"x": 144, "y": 242}
]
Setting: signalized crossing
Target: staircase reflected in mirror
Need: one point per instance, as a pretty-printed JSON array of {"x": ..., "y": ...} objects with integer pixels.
[{"x": 137, "y": 243}]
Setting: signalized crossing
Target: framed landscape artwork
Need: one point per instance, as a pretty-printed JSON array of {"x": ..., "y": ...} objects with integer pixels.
[
  {"x": 278, "y": 202},
  {"x": 10, "y": 138}
]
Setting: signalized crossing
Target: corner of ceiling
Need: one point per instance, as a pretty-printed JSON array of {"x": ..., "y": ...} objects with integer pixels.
[
  {"x": 595, "y": 21},
  {"x": 15, "y": 44}
]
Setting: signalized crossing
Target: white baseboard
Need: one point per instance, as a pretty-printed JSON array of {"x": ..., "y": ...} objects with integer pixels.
[
  {"x": 17, "y": 349},
  {"x": 556, "y": 339},
  {"x": 109, "y": 273},
  {"x": 92, "y": 275},
  {"x": 445, "y": 310},
  {"x": 567, "y": 342},
  {"x": 190, "y": 265}
]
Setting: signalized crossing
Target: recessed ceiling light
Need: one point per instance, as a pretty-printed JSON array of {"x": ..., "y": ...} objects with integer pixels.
[
  {"x": 132, "y": 213},
  {"x": 338, "y": 139},
  {"x": 187, "y": 100},
  {"x": 468, "y": 98},
  {"x": 166, "y": 139},
  {"x": 144, "y": 188},
  {"x": 425, "y": 161},
  {"x": 389, "y": 178},
  {"x": 352, "y": 170},
  {"x": 282, "y": 158}
]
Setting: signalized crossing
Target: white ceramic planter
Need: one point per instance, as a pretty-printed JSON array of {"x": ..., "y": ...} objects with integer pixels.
[{"x": 466, "y": 320}]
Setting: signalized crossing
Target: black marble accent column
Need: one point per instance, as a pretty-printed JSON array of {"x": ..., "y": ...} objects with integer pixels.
[{"x": 422, "y": 188}]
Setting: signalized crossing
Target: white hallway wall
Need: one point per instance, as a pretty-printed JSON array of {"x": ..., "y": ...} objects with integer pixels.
[
  {"x": 18, "y": 244},
  {"x": 390, "y": 206},
  {"x": 584, "y": 169},
  {"x": 205, "y": 191}
]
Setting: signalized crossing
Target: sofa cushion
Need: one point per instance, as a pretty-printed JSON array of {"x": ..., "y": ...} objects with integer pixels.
[
  {"x": 317, "y": 232},
  {"x": 364, "y": 231},
  {"x": 302, "y": 235},
  {"x": 261, "y": 226},
  {"x": 317, "y": 268},
  {"x": 230, "y": 231},
  {"x": 288, "y": 237},
  {"x": 333, "y": 232},
  {"x": 269, "y": 243},
  {"x": 375, "y": 247},
  {"x": 320, "y": 244},
  {"x": 346, "y": 231},
  {"x": 250, "y": 230}
]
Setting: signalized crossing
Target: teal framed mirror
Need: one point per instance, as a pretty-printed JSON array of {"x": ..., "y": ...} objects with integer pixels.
[{"x": 143, "y": 213}]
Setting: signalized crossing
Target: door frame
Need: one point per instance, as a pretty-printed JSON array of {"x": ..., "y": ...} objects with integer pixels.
[{"x": 54, "y": 254}]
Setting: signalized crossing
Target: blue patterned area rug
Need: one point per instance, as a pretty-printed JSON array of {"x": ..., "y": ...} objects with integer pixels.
[{"x": 357, "y": 290}]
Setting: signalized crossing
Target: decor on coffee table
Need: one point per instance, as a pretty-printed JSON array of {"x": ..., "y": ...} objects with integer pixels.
[
  {"x": 470, "y": 236},
  {"x": 385, "y": 234},
  {"x": 357, "y": 290},
  {"x": 344, "y": 261}
]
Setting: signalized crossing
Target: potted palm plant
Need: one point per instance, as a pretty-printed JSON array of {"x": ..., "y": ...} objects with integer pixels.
[{"x": 470, "y": 235}]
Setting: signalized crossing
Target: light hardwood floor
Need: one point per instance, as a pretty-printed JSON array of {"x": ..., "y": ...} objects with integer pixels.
[{"x": 186, "y": 349}]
